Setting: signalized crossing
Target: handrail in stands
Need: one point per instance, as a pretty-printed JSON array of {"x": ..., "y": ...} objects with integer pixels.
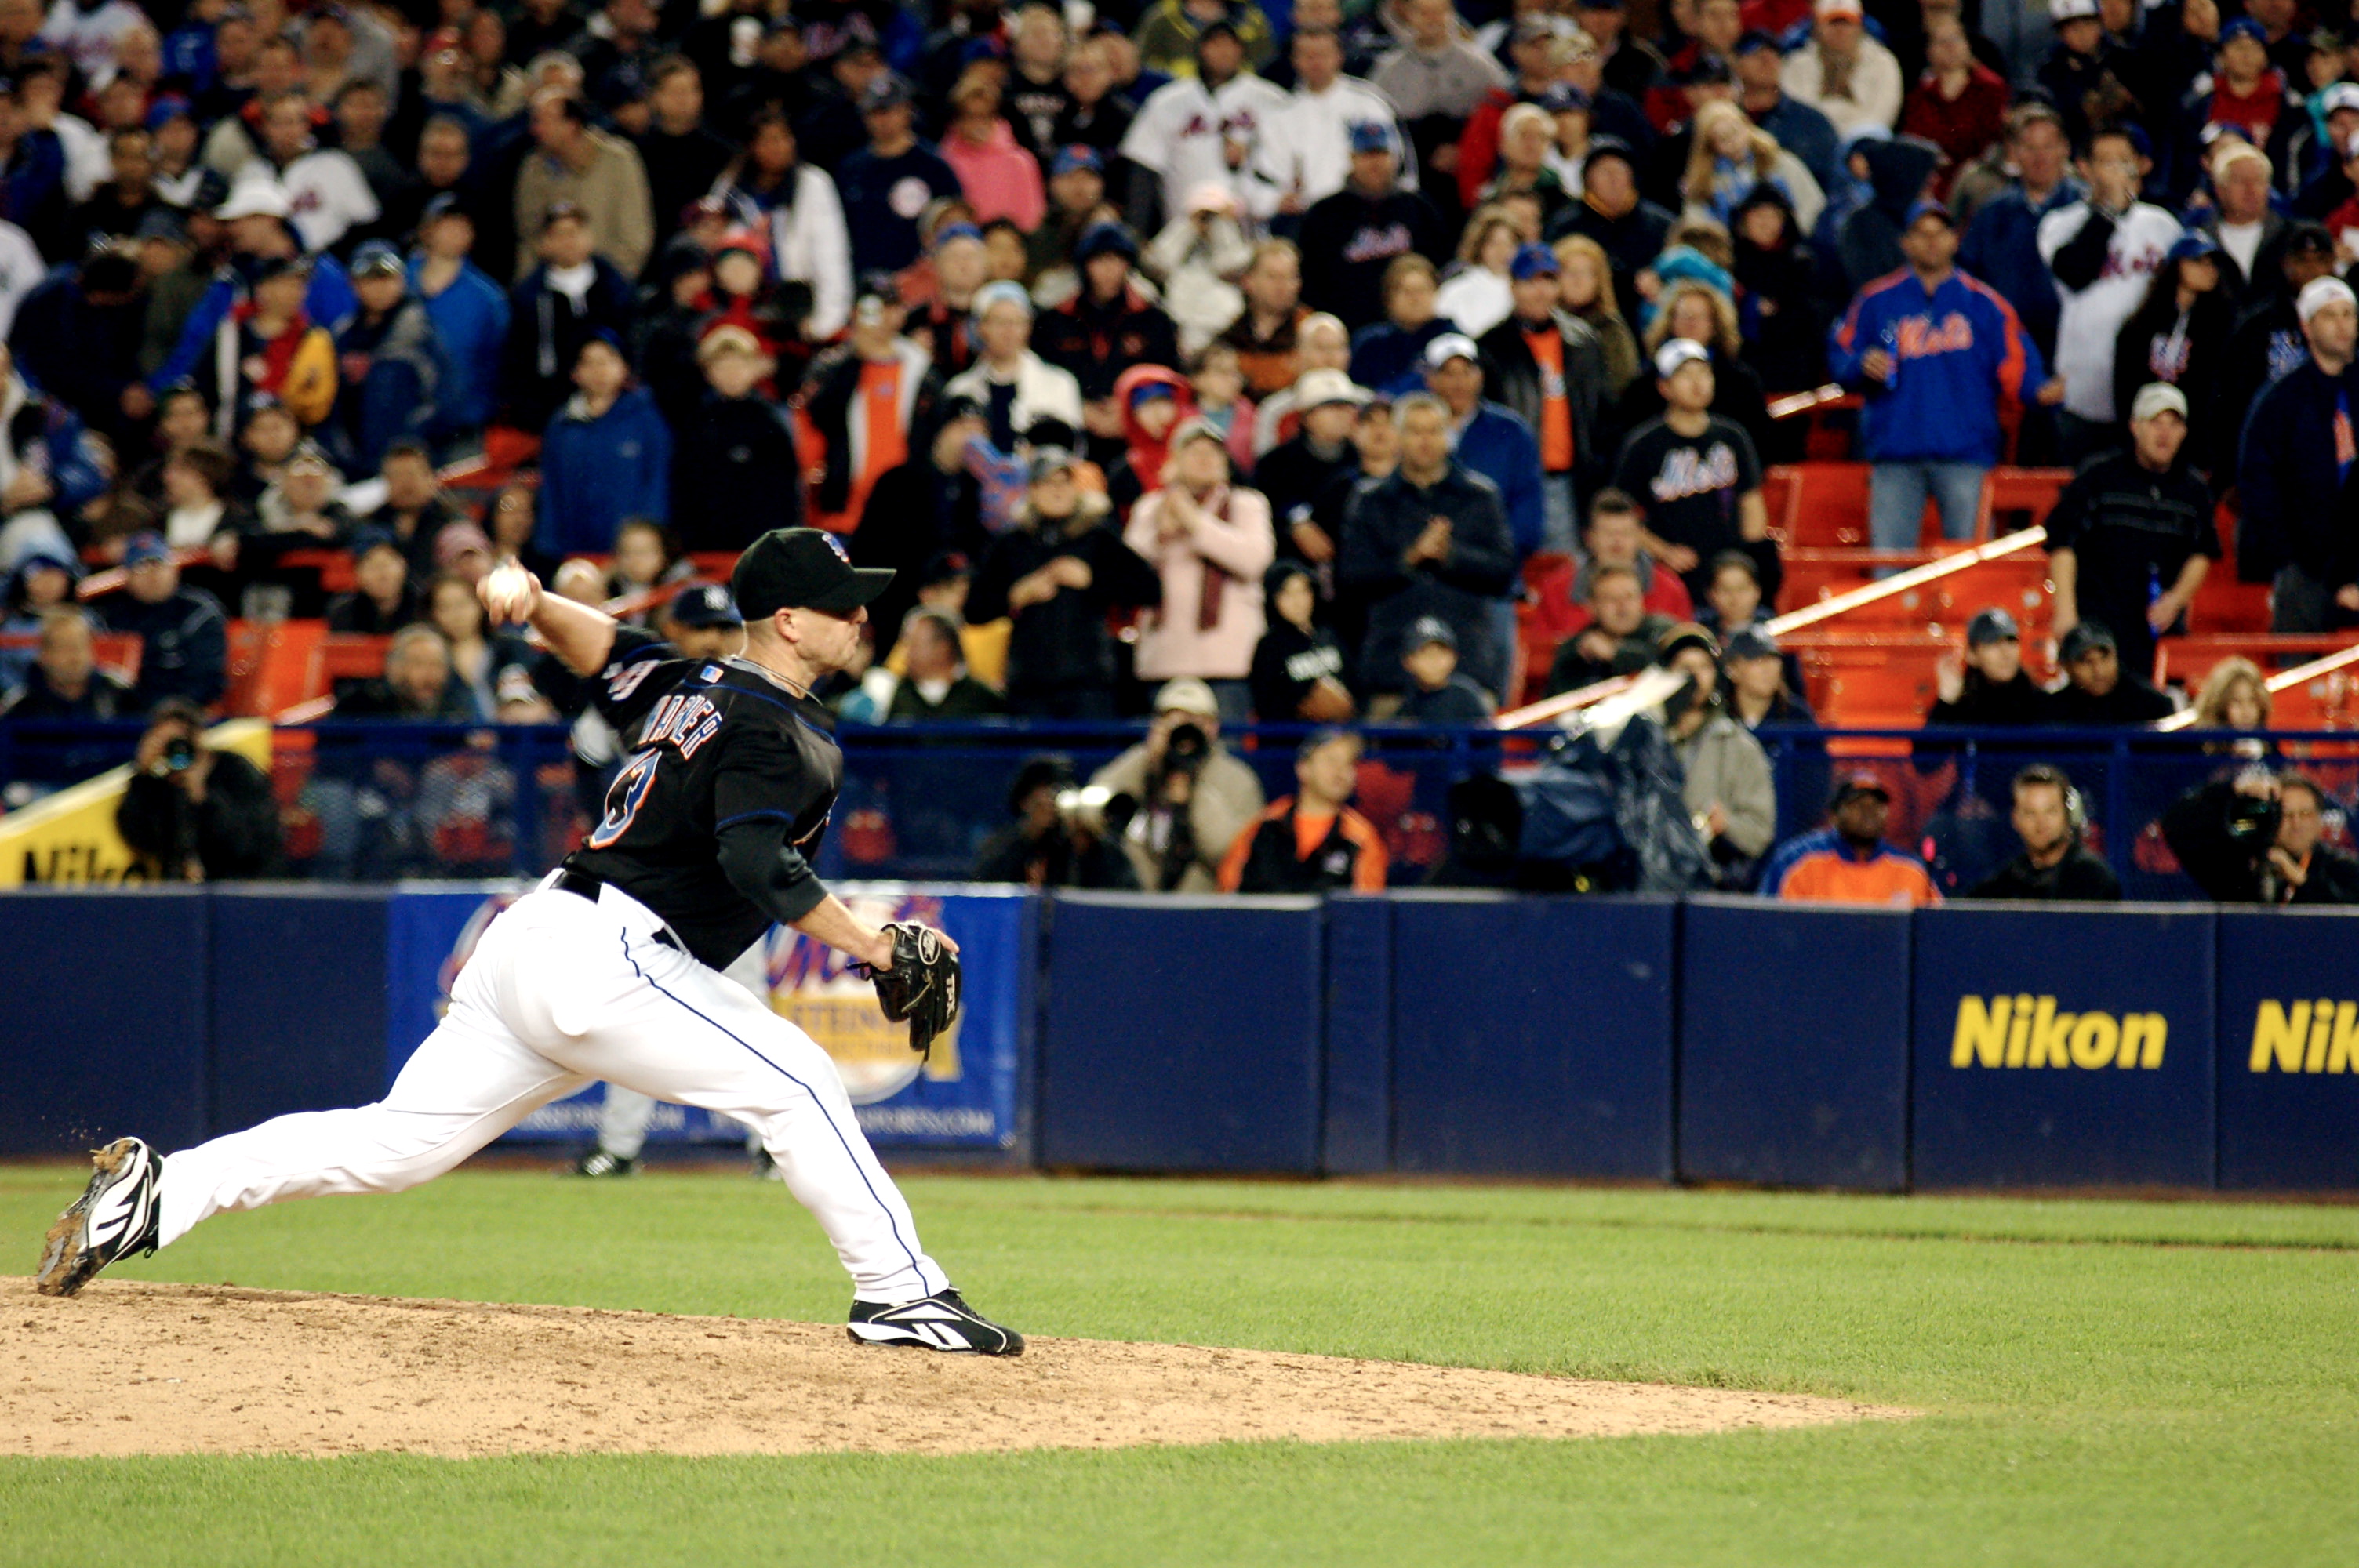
[{"x": 2283, "y": 680}]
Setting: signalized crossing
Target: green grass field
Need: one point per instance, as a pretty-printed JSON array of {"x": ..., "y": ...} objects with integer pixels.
[{"x": 2103, "y": 1382}]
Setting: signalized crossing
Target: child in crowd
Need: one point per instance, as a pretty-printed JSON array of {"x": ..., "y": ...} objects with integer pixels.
[{"x": 1436, "y": 692}]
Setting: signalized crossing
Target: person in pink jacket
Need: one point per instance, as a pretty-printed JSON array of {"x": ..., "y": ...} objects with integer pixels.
[
  {"x": 1000, "y": 179},
  {"x": 1209, "y": 541}
]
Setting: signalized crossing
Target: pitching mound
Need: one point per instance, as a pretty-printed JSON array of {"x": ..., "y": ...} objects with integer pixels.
[{"x": 131, "y": 1367}]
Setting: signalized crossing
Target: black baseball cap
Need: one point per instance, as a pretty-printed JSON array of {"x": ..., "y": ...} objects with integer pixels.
[
  {"x": 1861, "y": 782},
  {"x": 802, "y": 568},
  {"x": 704, "y": 604}
]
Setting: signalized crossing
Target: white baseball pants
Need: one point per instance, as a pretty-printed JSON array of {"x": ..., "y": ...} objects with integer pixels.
[{"x": 560, "y": 993}]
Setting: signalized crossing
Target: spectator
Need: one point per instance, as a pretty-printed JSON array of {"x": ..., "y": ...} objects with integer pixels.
[
  {"x": 570, "y": 297},
  {"x": 41, "y": 581},
  {"x": 51, "y": 467},
  {"x": 1548, "y": 368},
  {"x": 1321, "y": 343},
  {"x": 418, "y": 686},
  {"x": 183, "y": 636},
  {"x": 936, "y": 684},
  {"x": 1695, "y": 473},
  {"x": 1015, "y": 386},
  {"x": 2103, "y": 251},
  {"x": 1195, "y": 258},
  {"x": 1734, "y": 598},
  {"x": 1352, "y": 240},
  {"x": 2179, "y": 338},
  {"x": 2083, "y": 74},
  {"x": 1848, "y": 861},
  {"x": 596, "y": 171},
  {"x": 1388, "y": 357},
  {"x": 2242, "y": 224},
  {"x": 1310, "y": 841},
  {"x": 1198, "y": 128},
  {"x": 2098, "y": 691},
  {"x": 606, "y": 456},
  {"x": 197, "y": 815},
  {"x": 1298, "y": 667},
  {"x": 2002, "y": 244},
  {"x": 1099, "y": 116},
  {"x": 1757, "y": 692},
  {"x": 1218, "y": 387},
  {"x": 390, "y": 366},
  {"x": 1209, "y": 542},
  {"x": 684, "y": 157},
  {"x": 1987, "y": 689},
  {"x": 1703, "y": 312},
  {"x": 1296, "y": 473},
  {"x": 2290, "y": 475},
  {"x": 2259, "y": 839},
  {"x": 2055, "y": 865},
  {"x": 871, "y": 403},
  {"x": 1153, "y": 402},
  {"x": 1585, "y": 292},
  {"x": 1103, "y": 330},
  {"x": 1477, "y": 296},
  {"x": 1052, "y": 843},
  {"x": 1305, "y": 153},
  {"x": 415, "y": 511},
  {"x": 646, "y": 557},
  {"x": 1620, "y": 637},
  {"x": 1437, "y": 74},
  {"x": 2269, "y": 341},
  {"x": 1727, "y": 787},
  {"x": 480, "y": 660},
  {"x": 1189, "y": 796},
  {"x": 1729, "y": 157},
  {"x": 887, "y": 183},
  {"x": 736, "y": 474},
  {"x": 700, "y": 621},
  {"x": 1958, "y": 104},
  {"x": 1000, "y": 179},
  {"x": 469, "y": 313},
  {"x": 283, "y": 356},
  {"x": 325, "y": 189},
  {"x": 196, "y": 511},
  {"x": 1937, "y": 353},
  {"x": 794, "y": 204},
  {"x": 1490, "y": 438},
  {"x": 1627, "y": 227},
  {"x": 2244, "y": 90},
  {"x": 1435, "y": 692},
  {"x": 1842, "y": 72},
  {"x": 112, "y": 215},
  {"x": 2132, "y": 536},
  {"x": 1431, "y": 539},
  {"x": 1057, "y": 571},
  {"x": 1526, "y": 178},
  {"x": 1168, "y": 32},
  {"x": 944, "y": 324},
  {"x": 381, "y": 601},
  {"x": 2234, "y": 697},
  {"x": 1799, "y": 128},
  {"x": 1616, "y": 536},
  {"x": 63, "y": 682}
]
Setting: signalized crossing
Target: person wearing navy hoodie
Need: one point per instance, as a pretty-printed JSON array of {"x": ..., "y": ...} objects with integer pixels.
[
  {"x": 571, "y": 296},
  {"x": 1933, "y": 350},
  {"x": 606, "y": 458},
  {"x": 470, "y": 312}
]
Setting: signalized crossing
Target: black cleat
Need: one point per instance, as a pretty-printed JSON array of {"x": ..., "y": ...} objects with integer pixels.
[
  {"x": 939, "y": 1322},
  {"x": 116, "y": 1214},
  {"x": 598, "y": 1162}
]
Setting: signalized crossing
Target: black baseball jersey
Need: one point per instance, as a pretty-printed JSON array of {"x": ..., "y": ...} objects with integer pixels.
[{"x": 714, "y": 742}]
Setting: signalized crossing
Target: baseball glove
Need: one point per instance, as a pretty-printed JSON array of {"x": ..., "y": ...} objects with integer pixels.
[{"x": 922, "y": 989}]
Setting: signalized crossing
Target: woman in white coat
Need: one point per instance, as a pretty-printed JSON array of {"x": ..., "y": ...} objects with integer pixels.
[
  {"x": 797, "y": 204},
  {"x": 1210, "y": 542}
]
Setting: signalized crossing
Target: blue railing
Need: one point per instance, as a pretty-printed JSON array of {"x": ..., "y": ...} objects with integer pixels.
[{"x": 372, "y": 801}]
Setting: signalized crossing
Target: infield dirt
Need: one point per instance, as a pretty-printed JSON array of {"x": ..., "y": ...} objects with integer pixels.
[{"x": 135, "y": 1367}]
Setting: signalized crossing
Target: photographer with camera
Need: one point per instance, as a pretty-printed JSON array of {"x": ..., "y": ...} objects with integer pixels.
[
  {"x": 1187, "y": 798},
  {"x": 1060, "y": 838},
  {"x": 198, "y": 814},
  {"x": 2256, "y": 838}
]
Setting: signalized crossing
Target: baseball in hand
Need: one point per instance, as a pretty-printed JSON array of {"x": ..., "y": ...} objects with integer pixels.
[{"x": 509, "y": 591}]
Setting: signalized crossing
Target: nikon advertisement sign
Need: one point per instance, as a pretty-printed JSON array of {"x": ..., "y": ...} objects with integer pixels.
[
  {"x": 2063, "y": 1046},
  {"x": 2288, "y": 1049}
]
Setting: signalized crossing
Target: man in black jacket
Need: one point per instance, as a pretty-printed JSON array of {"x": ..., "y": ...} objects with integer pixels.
[
  {"x": 183, "y": 636},
  {"x": 2256, "y": 838},
  {"x": 1297, "y": 471},
  {"x": 199, "y": 814},
  {"x": 1431, "y": 539},
  {"x": 2098, "y": 690},
  {"x": 1548, "y": 367},
  {"x": 1103, "y": 330},
  {"x": 1349, "y": 239},
  {"x": 2055, "y": 864},
  {"x": 736, "y": 475},
  {"x": 1057, "y": 573},
  {"x": 1989, "y": 689}
]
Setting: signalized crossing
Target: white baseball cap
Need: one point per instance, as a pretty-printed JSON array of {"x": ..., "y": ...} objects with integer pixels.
[
  {"x": 2155, "y": 397},
  {"x": 1839, "y": 8},
  {"x": 256, "y": 198},
  {"x": 1450, "y": 346},
  {"x": 1187, "y": 695},
  {"x": 2320, "y": 293},
  {"x": 1678, "y": 352},
  {"x": 2070, "y": 10},
  {"x": 1318, "y": 388},
  {"x": 2342, "y": 95}
]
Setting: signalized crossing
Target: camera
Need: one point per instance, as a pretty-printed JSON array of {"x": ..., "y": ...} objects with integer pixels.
[
  {"x": 2252, "y": 820},
  {"x": 1185, "y": 749},
  {"x": 180, "y": 754}
]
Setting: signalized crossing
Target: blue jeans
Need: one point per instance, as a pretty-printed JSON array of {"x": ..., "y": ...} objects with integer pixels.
[{"x": 1897, "y": 493}]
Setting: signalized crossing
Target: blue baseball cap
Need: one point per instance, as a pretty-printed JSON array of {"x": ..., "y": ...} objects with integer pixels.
[
  {"x": 375, "y": 259},
  {"x": 1534, "y": 260},
  {"x": 2192, "y": 247},
  {"x": 949, "y": 232},
  {"x": 2243, "y": 28},
  {"x": 1075, "y": 157},
  {"x": 1104, "y": 238},
  {"x": 145, "y": 549},
  {"x": 1371, "y": 136},
  {"x": 705, "y": 604},
  {"x": 172, "y": 106},
  {"x": 1563, "y": 97},
  {"x": 1929, "y": 208}
]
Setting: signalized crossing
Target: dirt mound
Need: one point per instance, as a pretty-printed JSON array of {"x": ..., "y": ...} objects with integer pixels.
[{"x": 132, "y": 1368}]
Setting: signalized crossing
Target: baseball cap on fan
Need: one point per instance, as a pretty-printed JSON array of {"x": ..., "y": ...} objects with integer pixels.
[
  {"x": 802, "y": 568},
  {"x": 704, "y": 604}
]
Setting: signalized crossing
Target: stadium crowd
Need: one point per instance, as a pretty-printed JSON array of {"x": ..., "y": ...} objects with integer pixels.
[{"x": 1287, "y": 338}]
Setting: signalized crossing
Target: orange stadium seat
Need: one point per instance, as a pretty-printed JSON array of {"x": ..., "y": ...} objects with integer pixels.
[
  {"x": 2223, "y": 604},
  {"x": 2016, "y": 498}
]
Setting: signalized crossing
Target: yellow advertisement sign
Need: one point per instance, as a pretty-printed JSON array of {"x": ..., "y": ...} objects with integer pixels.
[{"x": 69, "y": 839}]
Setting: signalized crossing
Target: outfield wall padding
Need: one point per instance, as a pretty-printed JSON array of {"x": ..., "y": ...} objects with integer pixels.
[
  {"x": 2289, "y": 1067},
  {"x": 1532, "y": 1036},
  {"x": 1356, "y": 1113},
  {"x": 312, "y": 1042}
]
